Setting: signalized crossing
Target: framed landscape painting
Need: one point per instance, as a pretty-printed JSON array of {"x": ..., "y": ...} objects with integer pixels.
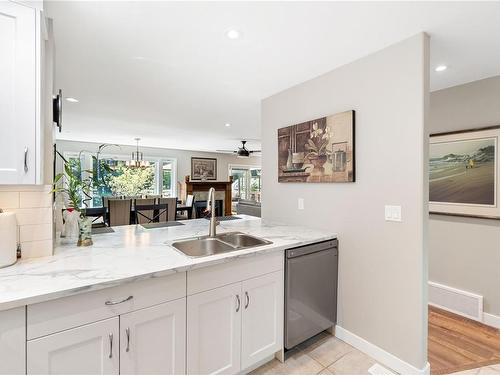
[
  {"x": 464, "y": 173},
  {"x": 203, "y": 169},
  {"x": 320, "y": 150}
]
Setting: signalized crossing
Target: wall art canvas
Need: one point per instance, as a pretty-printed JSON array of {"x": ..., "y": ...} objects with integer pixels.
[
  {"x": 203, "y": 169},
  {"x": 320, "y": 150},
  {"x": 463, "y": 173}
]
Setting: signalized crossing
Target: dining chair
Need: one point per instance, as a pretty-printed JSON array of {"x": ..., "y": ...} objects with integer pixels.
[
  {"x": 188, "y": 212},
  {"x": 119, "y": 211},
  {"x": 143, "y": 214},
  {"x": 169, "y": 215}
]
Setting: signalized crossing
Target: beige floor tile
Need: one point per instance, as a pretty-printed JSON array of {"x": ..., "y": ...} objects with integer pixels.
[
  {"x": 325, "y": 372},
  {"x": 297, "y": 364},
  {"x": 328, "y": 350},
  {"x": 491, "y": 370},
  {"x": 352, "y": 363}
]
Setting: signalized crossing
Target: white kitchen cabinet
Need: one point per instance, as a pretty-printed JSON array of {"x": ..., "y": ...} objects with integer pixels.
[
  {"x": 233, "y": 327},
  {"x": 262, "y": 318},
  {"x": 89, "y": 349},
  {"x": 13, "y": 341},
  {"x": 21, "y": 133},
  {"x": 153, "y": 340},
  {"x": 214, "y": 331}
]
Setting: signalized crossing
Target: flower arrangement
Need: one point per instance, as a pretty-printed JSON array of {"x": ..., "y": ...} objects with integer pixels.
[{"x": 318, "y": 141}]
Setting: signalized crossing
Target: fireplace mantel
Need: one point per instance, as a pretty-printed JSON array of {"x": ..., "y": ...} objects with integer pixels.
[{"x": 203, "y": 186}]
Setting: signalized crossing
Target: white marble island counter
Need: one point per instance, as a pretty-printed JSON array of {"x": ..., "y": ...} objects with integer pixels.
[{"x": 132, "y": 253}]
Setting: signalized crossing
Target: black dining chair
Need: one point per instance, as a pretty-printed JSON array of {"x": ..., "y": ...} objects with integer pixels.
[{"x": 152, "y": 212}]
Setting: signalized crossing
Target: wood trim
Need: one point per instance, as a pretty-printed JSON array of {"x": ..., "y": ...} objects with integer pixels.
[
  {"x": 493, "y": 127},
  {"x": 192, "y": 186}
]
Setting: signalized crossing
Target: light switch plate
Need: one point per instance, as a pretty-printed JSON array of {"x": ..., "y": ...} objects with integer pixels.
[
  {"x": 393, "y": 213},
  {"x": 300, "y": 203}
]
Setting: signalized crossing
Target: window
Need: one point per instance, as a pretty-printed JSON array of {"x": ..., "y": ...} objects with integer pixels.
[
  {"x": 247, "y": 182},
  {"x": 115, "y": 178}
]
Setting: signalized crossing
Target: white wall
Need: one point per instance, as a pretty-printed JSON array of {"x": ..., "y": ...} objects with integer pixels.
[
  {"x": 464, "y": 252},
  {"x": 382, "y": 270},
  {"x": 183, "y": 157}
]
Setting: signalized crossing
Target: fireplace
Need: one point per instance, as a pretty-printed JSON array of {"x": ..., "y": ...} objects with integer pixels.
[{"x": 222, "y": 191}]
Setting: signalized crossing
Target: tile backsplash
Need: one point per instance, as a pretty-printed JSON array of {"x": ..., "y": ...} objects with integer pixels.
[{"x": 33, "y": 208}]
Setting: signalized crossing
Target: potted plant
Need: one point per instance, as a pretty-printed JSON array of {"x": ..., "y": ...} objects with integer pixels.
[
  {"x": 77, "y": 185},
  {"x": 317, "y": 146}
]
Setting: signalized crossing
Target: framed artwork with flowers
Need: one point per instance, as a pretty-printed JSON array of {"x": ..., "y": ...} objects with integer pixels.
[{"x": 320, "y": 150}]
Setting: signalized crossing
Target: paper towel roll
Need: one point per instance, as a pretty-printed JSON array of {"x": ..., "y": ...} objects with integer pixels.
[{"x": 8, "y": 238}]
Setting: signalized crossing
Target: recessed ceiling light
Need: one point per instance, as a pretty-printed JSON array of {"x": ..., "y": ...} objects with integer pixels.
[
  {"x": 72, "y": 100},
  {"x": 227, "y": 125},
  {"x": 233, "y": 34},
  {"x": 441, "y": 68}
]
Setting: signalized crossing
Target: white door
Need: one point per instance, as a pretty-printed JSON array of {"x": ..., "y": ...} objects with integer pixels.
[
  {"x": 89, "y": 349},
  {"x": 153, "y": 340},
  {"x": 17, "y": 93},
  {"x": 262, "y": 320},
  {"x": 214, "y": 331}
]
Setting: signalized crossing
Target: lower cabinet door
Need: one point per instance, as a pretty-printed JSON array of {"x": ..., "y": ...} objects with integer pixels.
[
  {"x": 262, "y": 320},
  {"x": 89, "y": 349},
  {"x": 214, "y": 331},
  {"x": 153, "y": 340}
]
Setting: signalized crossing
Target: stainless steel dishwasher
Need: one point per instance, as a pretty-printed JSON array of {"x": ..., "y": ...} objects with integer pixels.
[{"x": 310, "y": 290}]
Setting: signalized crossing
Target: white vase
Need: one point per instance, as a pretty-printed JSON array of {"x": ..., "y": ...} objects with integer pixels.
[{"x": 71, "y": 228}]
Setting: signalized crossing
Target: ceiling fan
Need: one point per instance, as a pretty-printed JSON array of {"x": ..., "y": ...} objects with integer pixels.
[{"x": 242, "y": 151}]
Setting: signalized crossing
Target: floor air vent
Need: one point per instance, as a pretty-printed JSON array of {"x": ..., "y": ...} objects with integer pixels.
[{"x": 456, "y": 300}]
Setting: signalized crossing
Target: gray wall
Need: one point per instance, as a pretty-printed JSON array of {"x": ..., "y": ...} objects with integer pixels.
[
  {"x": 465, "y": 253},
  {"x": 383, "y": 265}
]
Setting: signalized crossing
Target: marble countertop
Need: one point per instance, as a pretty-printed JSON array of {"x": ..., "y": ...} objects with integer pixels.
[{"x": 132, "y": 253}]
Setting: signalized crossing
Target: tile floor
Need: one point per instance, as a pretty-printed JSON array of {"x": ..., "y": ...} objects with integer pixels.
[
  {"x": 488, "y": 370},
  {"x": 326, "y": 355},
  {"x": 322, "y": 355}
]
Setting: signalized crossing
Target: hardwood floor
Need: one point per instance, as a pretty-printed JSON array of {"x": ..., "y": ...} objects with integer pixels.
[{"x": 457, "y": 343}]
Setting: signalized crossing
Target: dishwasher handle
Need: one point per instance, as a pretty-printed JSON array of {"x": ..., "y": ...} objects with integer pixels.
[{"x": 313, "y": 248}]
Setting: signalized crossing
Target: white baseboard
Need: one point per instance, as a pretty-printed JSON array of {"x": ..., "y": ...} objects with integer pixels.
[
  {"x": 491, "y": 320},
  {"x": 380, "y": 355}
]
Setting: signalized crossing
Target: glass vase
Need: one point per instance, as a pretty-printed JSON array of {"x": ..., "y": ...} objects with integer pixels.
[{"x": 85, "y": 231}]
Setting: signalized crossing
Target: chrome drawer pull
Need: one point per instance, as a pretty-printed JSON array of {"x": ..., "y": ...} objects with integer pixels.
[
  {"x": 110, "y": 345},
  {"x": 26, "y": 160},
  {"x": 248, "y": 300},
  {"x": 111, "y": 303},
  {"x": 239, "y": 303},
  {"x": 127, "y": 332}
]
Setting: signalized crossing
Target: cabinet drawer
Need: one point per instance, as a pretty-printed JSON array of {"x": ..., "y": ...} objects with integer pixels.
[
  {"x": 53, "y": 316},
  {"x": 212, "y": 277}
]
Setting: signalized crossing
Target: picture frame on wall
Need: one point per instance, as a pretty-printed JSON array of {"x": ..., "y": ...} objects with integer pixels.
[
  {"x": 319, "y": 150},
  {"x": 203, "y": 169},
  {"x": 464, "y": 173}
]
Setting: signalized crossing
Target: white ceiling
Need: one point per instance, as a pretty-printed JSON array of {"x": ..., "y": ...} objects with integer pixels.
[{"x": 167, "y": 73}]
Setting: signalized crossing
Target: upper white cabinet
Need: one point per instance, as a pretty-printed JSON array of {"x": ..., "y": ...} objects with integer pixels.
[
  {"x": 90, "y": 349},
  {"x": 153, "y": 340},
  {"x": 21, "y": 136}
]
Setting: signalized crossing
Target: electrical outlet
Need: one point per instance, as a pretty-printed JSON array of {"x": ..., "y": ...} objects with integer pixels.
[
  {"x": 300, "y": 203},
  {"x": 393, "y": 213}
]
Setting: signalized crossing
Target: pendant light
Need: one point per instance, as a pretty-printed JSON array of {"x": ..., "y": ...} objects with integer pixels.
[{"x": 137, "y": 160}]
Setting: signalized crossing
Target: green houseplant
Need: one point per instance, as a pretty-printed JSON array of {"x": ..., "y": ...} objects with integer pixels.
[{"x": 77, "y": 184}]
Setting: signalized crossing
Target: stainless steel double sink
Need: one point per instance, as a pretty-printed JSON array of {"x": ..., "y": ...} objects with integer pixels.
[{"x": 221, "y": 243}]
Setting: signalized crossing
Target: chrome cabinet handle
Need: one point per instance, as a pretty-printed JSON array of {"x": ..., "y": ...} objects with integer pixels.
[
  {"x": 239, "y": 303},
  {"x": 26, "y": 160},
  {"x": 111, "y": 303},
  {"x": 127, "y": 332},
  {"x": 110, "y": 345},
  {"x": 247, "y": 301}
]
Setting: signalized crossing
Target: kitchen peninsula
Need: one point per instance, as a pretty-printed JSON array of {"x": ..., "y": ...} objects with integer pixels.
[{"x": 132, "y": 293}]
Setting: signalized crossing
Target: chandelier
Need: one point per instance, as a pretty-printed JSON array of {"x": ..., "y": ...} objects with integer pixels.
[{"x": 137, "y": 160}]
